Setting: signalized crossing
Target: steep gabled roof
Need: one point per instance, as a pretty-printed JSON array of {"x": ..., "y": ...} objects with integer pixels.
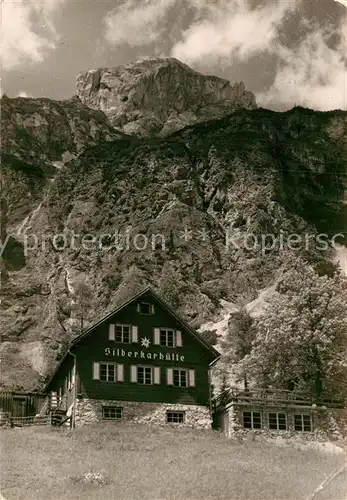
[
  {"x": 132, "y": 298},
  {"x": 164, "y": 305}
]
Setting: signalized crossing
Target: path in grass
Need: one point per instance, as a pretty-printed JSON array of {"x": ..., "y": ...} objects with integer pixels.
[
  {"x": 137, "y": 462},
  {"x": 334, "y": 488}
]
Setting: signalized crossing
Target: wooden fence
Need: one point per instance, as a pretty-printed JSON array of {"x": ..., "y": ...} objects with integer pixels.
[
  {"x": 26, "y": 421},
  {"x": 21, "y": 404},
  {"x": 20, "y": 409}
]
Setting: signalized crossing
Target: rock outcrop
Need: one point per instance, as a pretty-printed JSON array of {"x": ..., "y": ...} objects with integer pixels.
[
  {"x": 38, "y": 136},
  {"x": 161, "y": 211},
  {"x": 155, "y": 97}
]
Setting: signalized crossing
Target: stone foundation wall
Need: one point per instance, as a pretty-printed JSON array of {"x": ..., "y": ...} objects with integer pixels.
[
  {"x": 90, "y": 410},
  {"x": 326, "y": 424}
]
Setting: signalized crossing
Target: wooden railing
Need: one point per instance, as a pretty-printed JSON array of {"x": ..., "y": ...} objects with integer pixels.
[
  {"x": 62, "y": 403},
  {"x": 26, "y": 421},
  {"x": 273, "y": 397}
]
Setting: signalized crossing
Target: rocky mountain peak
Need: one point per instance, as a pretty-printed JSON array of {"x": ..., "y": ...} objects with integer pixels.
[{"x": 155, "y": 97}]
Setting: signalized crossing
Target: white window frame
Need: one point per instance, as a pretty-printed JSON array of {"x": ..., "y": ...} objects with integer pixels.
[
  {"x": 277, "y": 414},
  {"x": 145, "y": 367},
  {"x": 166, "y": 331},
  {"x": 180, "y": 370},
  {"x": 133, "y": 333},
  {"x": 177, "y": 337},
  {"x": 122, "y": 326},
  {"x": 116, "y": 408},
  {"x": 190, "y": 376},
  {"x": 252, "y": 412},
  {"x": 302, "y": 415},
  {"x": 114, "y": 365},
  {"x": 172, "y": 412},
  {"x": 118, "y": 372}
]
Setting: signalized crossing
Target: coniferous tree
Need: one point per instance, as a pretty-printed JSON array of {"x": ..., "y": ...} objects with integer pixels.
[{"x": 83, "y": 294}]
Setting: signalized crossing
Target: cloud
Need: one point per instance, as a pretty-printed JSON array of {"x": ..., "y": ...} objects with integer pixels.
[
  {"x": 23, "y": 93},
  {"x": 314, "y": 74},
  {"x": 342, "y": 2},
  {"x": 231, "y": 28},
  {"x": 27, "y": 31},
  {"x": 311, "y": 73},
  {"x": 136, "y": 23}
]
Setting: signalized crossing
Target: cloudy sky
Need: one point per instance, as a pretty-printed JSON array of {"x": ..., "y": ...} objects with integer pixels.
[{"x": 286, "y": 51}]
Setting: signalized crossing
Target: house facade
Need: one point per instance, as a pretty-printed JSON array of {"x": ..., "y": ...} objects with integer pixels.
[{"x": 140, "y": 363}]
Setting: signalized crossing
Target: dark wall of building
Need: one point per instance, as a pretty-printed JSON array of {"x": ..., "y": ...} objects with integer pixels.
[
  {"x": 59, "y": 383},
  {"x": 98, "y": 348}
]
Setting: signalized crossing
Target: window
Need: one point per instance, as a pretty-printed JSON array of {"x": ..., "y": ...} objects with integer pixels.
[
  {"x": 180, "y": 378},
  {"x": 122, "y": 334},
  {"x": 167, "y": 337},
  {"x": 252, "y": 420},
  {"x": 112, "y": 412},
  {"x": 278, "y": 421},
  {"x": 303, "y": 422},
  {"x": 108, "y": 372},
  {"x": 144, "y": 375},
  {"x": 145, "y": 308},
  {"x": 175, "y": 417}
]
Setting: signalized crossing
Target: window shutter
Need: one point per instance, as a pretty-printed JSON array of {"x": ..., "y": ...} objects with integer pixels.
[
  {"x": 156, "y": 336},
  {"x": 134, "y": 334},
  {"x": 178, "y": 338},
  {"x": 120, "y": 373},
  {"x": 191, "y": 378},
  {"x": 96, "y": 371},
  {"x": 157, "y": 374},
  {"x": 169, "y": 376},
  {"x": 111, "y": 332},
  {"x": 133, "y": 373},
  {"x": 138, "y": 307},
  {"x": 152, "y": 309}
]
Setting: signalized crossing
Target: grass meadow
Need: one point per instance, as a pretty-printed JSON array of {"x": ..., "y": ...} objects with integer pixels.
[{"x": 118, "y": 461}]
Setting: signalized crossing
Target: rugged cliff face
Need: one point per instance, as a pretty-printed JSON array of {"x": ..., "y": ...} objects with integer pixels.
[
  {"x": 37, "y": 137},
  {"x": 186, "y": 213},
  {"x": 159, "y": 96}
]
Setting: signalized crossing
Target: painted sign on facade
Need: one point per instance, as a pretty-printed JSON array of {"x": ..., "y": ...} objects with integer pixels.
[{"x": 159, "y": 356}]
